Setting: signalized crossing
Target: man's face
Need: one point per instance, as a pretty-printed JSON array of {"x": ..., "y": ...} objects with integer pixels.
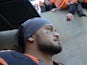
[{"x": 47, "y": 40}]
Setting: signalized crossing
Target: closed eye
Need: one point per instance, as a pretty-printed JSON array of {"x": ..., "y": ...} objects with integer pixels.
[{"x": 49, "y": 28}]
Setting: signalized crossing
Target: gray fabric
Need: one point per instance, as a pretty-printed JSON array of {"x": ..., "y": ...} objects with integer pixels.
[{"x": 8, "y": 39}]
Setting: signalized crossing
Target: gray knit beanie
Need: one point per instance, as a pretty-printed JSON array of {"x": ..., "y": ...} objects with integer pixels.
[{"x": 29, "y": 27}]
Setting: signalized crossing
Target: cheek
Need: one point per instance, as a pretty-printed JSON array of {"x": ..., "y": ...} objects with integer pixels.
[
  {"x": 41, "y": 37},
  {"x": 45, "y": 35},
  {"x": 48, "y": 36},
  {"x": 48, "y": 33}
]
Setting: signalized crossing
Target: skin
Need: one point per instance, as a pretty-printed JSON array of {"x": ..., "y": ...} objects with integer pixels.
[
  {"x": 44, "y": 44},
  {"x": 48, "y": 40}
]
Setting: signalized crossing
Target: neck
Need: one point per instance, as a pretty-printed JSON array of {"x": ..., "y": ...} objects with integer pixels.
[{"x": 46, "y": 58}]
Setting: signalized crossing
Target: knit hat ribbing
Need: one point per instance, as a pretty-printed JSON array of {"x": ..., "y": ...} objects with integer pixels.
[{"x": 29, "y": 27}]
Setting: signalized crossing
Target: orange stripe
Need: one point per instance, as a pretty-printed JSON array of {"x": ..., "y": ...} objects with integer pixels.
[
  {"x": 33, "y": 58},
  {"x": 85, "y": 1},
  {"x": 63, "y": 3},
  {"x": 2, "y": 61},
  {"x": 60, "y": 3}
]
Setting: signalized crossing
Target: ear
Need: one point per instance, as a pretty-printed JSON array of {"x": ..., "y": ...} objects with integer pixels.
[{"x": 31, "y": 39}]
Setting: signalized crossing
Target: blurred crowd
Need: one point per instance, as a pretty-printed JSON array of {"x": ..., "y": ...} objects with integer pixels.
[{"x": 55, "y": 5}]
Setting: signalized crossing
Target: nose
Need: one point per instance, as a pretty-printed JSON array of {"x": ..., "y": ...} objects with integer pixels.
[{"x": 56, "y": 34}]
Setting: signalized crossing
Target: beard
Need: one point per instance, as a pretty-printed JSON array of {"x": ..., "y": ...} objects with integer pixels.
[{"x": 48, "y": 47}]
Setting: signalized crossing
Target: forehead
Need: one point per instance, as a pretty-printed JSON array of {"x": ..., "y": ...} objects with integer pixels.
[{"x": 48, "y": 25}]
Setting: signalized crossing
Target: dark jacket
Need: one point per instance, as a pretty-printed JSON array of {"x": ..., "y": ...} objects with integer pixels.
[{"x": 16, "y": 58}]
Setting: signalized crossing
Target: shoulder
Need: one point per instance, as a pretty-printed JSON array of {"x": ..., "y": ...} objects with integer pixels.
[
  {"x": 11, "y": 57},
  {"x": 3, "y": 55},
  {"x": 5, "y": 52},
  {"x": 10, "y": 53}
]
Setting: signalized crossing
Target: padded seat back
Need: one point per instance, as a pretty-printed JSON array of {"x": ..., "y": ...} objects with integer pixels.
[{"x": 8, "y": 39}]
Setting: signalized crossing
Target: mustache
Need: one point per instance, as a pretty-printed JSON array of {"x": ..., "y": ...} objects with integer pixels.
[{"x": 56, "y": 38}]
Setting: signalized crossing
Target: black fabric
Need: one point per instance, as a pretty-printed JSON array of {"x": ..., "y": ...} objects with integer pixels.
[
  {"x": 49, "y": 7},
  {"x": 57, "y": 63},
  {"x": 84, "y": 5},
  {"x": 72, "y": 8},
  {"x": 79, "y": 10},
  {"x": 15, "y": 12}
]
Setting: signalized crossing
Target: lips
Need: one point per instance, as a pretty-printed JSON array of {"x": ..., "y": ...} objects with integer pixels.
[{"x": 57, "y": 40}]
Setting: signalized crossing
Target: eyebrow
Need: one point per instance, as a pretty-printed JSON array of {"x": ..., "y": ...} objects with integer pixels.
[
  {"x": 49, "y": 25},
  {"x": 52, "y": 27}
]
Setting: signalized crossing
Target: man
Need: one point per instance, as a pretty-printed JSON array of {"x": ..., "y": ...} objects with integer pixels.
[{"x": 38, "y": 40}]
